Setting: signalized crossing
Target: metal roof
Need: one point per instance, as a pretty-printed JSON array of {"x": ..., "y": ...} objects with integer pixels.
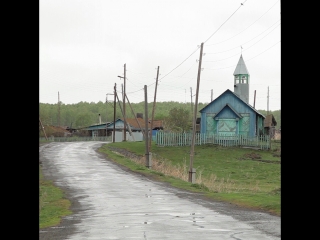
[
  {"x": 227, "y": 105},
  {"x": 228, "y": 90},
  {"x": 241, "y": 67}
]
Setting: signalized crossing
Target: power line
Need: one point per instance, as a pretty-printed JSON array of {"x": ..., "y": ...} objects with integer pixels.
[
  {"x": 245, "y": 28},
  {"x": 246, "y": 60},
  {"x": 249, "y": 40},
  {"x": 226, "y": 21}
]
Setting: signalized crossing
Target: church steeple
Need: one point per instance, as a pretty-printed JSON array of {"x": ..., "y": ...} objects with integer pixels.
[{"x": 241, "y": 80}]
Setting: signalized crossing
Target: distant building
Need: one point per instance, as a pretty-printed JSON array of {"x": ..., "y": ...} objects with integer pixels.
[{"x": 230, "y": 113}]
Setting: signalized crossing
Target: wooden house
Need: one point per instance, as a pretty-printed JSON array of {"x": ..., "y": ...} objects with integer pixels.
[
  {"x": 135, "y": 126},
  {"x": 230, "y": 113}
]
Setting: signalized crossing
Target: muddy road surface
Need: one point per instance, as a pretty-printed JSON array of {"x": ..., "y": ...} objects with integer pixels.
[{"x": 109, "y": 202}]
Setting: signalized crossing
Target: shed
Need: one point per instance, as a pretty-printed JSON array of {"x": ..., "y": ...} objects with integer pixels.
[{"x": 269, "y": 125}]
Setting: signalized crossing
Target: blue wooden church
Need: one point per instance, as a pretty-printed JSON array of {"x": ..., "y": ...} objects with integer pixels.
[{"x": 230, "y": 113}]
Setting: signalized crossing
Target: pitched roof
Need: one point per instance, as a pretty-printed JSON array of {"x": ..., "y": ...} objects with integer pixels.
[
  {"x": 241, "y": 67},
  {"x": 157, "y": 124},
  {"x": 134, "y": 123},
  {"x": 228, "y": 90},
  {"x": 227, "y": 105}
]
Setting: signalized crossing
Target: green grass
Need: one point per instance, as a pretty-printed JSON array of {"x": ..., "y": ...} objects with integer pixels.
[
  {"x": 246, "y": 177},
  {"x": 52, "y": 204}
]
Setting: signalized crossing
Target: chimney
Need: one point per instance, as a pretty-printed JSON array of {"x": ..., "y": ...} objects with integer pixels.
[
  {"x": 140, "y": 115},
  {"x": 99, "y": 118}
]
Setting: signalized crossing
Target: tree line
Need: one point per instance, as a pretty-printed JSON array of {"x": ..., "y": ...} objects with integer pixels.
[{"x": 84, "y": 114}]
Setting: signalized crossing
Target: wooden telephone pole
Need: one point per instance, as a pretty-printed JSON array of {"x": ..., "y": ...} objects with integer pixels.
[
  {"x": 192, "y": 170},
  {"x": 191, "y": 102},
  {"x": 124, "y": 103},
  {"x": 148, "y": 164},
  {"x": 42, "y": 127},
  {"x": 114, "y": 113},
  {"x": 268, "y": 102},
  {"x": 153, "y": 109},
  {"x": 58, "y": 109}
]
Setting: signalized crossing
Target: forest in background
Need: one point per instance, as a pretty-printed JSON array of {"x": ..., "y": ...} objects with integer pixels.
[{"x": 84, "y": 114}]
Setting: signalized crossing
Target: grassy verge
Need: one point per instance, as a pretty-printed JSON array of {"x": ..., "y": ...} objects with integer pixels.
[
  {"x": 52, "y": 204},
  {"x": 246, "y": 177}
]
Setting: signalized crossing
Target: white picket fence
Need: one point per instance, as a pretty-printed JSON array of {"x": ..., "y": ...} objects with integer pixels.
[{"x": 185, "y": 139}]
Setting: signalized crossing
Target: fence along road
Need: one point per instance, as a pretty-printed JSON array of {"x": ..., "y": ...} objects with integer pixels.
[{"x": 111, "y": 203}]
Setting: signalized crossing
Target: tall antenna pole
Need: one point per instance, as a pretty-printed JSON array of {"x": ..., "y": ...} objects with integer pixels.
[
  {"x": 191, "y": 176},
  {"x": 254, "y": 100},
  {"x": 211, "y": 95}
]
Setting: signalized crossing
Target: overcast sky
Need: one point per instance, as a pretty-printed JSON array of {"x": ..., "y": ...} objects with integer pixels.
[{"x": 84, "y": 45}]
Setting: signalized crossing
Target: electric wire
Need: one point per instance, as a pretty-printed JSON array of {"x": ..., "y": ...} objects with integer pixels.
[{"x": 245, "y": 28}]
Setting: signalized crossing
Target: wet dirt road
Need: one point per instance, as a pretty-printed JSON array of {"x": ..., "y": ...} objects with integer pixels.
[{"x": 110, "y": 203}]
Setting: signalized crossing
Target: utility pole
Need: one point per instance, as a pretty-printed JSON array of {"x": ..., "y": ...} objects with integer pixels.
[
  {"x": 129, "y": 128},
  {"x": 192, "y": 170},
  {"x": 268, "y": 102},
  {"x": 143, "y": 132},
  {"x": 254, "y": 100},
  {"x": 211, "y": 95},
  {"x": 58, "y": 109},
  {"x": 42, "y": 127},
  {"x": 153, "y": 109},
  {"x": 148, "y": 164},
  {"x": 114, "y": 112},
  {"x": 191, "y": 103},
  {"x": 124, "y": 104},
  {"x": 106, "y": 110}
]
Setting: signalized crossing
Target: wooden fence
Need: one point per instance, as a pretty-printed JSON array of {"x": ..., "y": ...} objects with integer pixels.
[{"x": 164, "y": 139}]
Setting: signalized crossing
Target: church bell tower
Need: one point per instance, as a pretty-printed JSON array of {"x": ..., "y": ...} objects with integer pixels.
[{"x": 241, "y": 81}]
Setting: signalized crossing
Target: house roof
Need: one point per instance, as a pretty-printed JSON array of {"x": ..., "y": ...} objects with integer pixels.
[
  {"x": 241, "y": 67},
  {"x": 270, "y": 121},
  {"x": 235, "y": 112},
  {"x": 157, "y": 124},
  {"x": 228, "y": 90},
  {"x": 134, "y": 123},
  {"x": 95, "y": 127}
]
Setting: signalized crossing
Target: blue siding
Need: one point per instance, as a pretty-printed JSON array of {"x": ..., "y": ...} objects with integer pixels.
[
  {"x": 218, "y": 107},
  {"x": 119, "y": 124}
]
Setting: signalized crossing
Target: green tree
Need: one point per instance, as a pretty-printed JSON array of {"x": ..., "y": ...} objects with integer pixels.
[
  {"x": 83, "y": 120},
  {"x": 178, "y": 120}
]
